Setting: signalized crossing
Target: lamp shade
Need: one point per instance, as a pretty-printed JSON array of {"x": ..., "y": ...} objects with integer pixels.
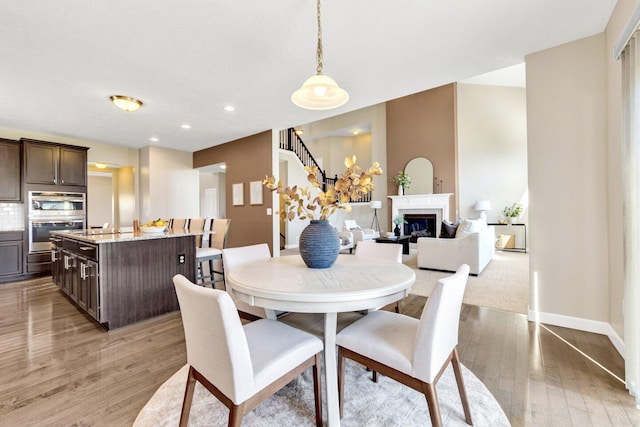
[
  {"x": 483, "y": 205},
  {"x": 375, "y": 204},
  {"x": 320, "y": 92}
]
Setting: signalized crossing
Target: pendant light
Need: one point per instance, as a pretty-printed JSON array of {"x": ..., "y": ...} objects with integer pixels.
[{"x": 319, "y": 92}]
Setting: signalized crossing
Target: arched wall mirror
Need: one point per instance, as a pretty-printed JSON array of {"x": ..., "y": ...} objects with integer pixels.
[{"x": 420, "y": 170}]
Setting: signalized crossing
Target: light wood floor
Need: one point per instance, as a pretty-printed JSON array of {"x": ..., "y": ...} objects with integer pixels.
[{"x": 57, "y": 368}]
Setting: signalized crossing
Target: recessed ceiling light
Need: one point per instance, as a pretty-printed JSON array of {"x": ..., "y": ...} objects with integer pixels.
[
  {"x": 223, "y": 166},
  {"x": 154, "y": 139},
  {"x": 185, "y": 126},
  {"x": 299, "y": 132},
  {"x": 101, "y": 165},
  {"x": 229, "y": 108},
  {"x": 126, "y": 103},
  {"x": 355, "y": 132}
]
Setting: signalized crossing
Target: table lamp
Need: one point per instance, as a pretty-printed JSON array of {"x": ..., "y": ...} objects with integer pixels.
[
  {"x": 375, "y": 205},
  {"x": 482, "y": 206}
]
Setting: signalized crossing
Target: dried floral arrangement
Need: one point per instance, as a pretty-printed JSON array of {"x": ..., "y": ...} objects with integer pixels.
[{"x": 300, "y": 201}]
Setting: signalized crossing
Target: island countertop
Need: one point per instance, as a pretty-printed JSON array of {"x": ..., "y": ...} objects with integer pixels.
[{"x": 98, "y": 236}]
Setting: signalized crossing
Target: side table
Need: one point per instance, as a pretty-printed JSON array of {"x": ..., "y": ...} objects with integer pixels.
[
  {"x": 401, "y": 240},
  {"x": 523, "y": 228}
]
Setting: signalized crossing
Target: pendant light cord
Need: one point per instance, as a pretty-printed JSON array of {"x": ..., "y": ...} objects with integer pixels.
[{"x": 319, "y": 48}]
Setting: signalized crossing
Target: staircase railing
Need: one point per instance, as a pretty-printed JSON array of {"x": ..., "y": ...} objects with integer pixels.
[{"x": 291, "y": 141}]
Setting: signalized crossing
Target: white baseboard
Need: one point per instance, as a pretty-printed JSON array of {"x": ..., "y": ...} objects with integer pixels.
[
  {"x": 587, "y": 325},
  {"x": 292, "y": 246}
]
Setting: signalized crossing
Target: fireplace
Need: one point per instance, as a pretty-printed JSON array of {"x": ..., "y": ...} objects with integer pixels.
[
  {"x": 422, "y": 205},
  {"x": 420, "y": 225}
]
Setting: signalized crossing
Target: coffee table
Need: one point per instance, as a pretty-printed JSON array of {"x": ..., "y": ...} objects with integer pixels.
[{"x": 401, "y": 240}]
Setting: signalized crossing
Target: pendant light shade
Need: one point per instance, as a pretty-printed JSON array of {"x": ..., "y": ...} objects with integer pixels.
[{"x": 319, "y": 92}]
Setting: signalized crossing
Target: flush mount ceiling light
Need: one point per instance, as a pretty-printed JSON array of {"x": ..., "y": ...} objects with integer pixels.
[
  {"x": 319, "y": 92},
  {"x": 126, "y": 103}
]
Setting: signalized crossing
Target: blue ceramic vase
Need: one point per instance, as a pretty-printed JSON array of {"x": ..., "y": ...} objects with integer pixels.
[{"x": 319, "y": 244}]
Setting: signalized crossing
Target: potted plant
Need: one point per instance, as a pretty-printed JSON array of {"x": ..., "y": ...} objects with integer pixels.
[
  {"x": 512, "y": 212},
  {"x": 319, "y": 242},
  {"x": 398, "y": 221},
  {"x": 402, "y": 180}
]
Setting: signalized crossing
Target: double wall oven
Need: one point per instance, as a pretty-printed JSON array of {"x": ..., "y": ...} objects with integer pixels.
[{"x": 54, "y": 211}]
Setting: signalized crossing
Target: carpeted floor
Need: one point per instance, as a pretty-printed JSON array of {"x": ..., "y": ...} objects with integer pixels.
[
  {"x": 386, "y": 403},
  {"x": 503, "y": 285}
]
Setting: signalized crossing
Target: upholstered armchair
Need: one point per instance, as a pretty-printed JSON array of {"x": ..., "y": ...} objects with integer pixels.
[
  {"x": 346, "y": 241},
  {"x": 359, "y": 234}
]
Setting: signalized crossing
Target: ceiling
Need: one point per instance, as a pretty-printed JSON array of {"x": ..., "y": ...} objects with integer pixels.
[{"x": 188, "y": 60}]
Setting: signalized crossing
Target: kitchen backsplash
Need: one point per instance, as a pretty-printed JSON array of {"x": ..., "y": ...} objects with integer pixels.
[{"x": 11, "y": 216}]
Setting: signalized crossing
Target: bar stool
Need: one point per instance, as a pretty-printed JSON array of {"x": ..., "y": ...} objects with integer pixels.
[{"x": 212, "y": 253}]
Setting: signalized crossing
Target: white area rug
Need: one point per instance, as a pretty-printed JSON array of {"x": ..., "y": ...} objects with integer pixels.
[
  {"x": 502, "y": 285},
  {"x": 386, "y": 403}
]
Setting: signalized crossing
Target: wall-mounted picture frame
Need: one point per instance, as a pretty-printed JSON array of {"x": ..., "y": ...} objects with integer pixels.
[
  {"x": 238, "y": 194},
  {"x": 255, "y": 192}
]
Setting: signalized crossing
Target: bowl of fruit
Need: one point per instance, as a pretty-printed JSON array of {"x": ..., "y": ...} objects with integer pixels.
[{"x": 157, "y": 226}]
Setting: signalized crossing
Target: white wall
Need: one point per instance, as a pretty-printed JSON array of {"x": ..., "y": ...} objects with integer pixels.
[
  {"x": 100, "y": 199},
  {"x": 169, "y": 186},
  {"x": 376, "y": 115},
  {"x": 567, "y": 116},
  {"x": 492, "y": 148}
]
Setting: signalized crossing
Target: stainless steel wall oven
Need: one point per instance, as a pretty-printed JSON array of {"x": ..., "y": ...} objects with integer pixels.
[{"x": 53, "y": 211}]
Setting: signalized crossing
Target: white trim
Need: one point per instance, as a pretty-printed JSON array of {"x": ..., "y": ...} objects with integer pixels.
[
  {"x": 627, "y": 33},
  {"x": 580, "y": 324}
]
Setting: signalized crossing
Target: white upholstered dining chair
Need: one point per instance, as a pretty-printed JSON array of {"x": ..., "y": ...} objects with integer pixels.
[
  {"x": 251, "y": 362},
  {"x": 390, "y": 251},
  {"x": 232, "y": 257},
  {"x": 413, "y": 352}
]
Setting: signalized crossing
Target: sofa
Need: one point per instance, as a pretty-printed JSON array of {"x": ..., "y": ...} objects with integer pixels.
[{"x": 446, "y": 254}]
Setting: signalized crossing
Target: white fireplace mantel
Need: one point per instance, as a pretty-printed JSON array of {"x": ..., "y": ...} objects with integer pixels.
[{"x": 422, "y": 203}]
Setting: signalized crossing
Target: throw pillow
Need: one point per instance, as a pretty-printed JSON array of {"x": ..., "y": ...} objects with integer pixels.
[
  {"x": 448, "y": 229},
  {"x": 469, "y": 226}
]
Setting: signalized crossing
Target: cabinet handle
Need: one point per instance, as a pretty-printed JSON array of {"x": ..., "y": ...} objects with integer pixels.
[
  {"x": 62, "y": 180},
  {"x": 83, "y": 274},
  {"x": 86, "y": 248},
  {"x": 66, "y": 262},
  {"x": 53, "y": 255}
]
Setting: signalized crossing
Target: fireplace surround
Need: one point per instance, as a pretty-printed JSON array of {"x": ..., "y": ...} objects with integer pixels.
[{"x": 422, "y": 204}]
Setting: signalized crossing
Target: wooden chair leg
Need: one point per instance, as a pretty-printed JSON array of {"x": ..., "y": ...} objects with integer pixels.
[
  {"x": 375, "y": 376},
  {"x": 455, "y": 361},
  {"x": 397, "y": 308},
  {"x": 236, "y": 412},
  {"x": 340, "y": 380},
  {"x": 188, "y": 398},
  {"x": 429, "y": 391},
  {"x": 317, "y": 391}
]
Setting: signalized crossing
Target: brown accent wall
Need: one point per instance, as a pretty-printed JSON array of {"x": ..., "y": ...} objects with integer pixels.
[
  {"x": 247, "y": 159},
  {"x": 424, "y": 125}
]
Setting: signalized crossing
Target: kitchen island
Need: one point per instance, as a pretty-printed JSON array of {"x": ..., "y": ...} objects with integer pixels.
[{"x": 119, "y": 278}]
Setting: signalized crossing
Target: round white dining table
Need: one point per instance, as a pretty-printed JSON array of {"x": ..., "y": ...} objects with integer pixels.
[{"x": 351, "y": 284}]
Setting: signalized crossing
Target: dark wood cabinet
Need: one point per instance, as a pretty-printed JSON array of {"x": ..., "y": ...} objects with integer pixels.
[
  {"x": 10, "y": 171},
  {"x": 10, "y": 253},
  {"x": 75, "y": 271},
  {"x": 88, "y": 289},
  {"x": 54, "y": 164},
  {"x": 57, "y": 262}
]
